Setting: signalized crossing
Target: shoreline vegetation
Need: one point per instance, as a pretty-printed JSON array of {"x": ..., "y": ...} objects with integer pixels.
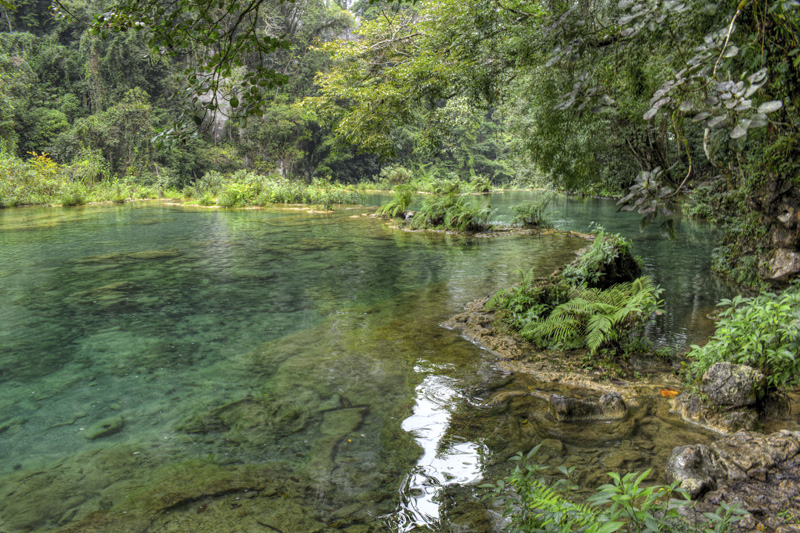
[{"x": 41, "y": 181}]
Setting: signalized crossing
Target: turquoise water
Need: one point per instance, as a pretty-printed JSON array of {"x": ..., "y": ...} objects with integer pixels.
[{"x": 192, "y": 368}]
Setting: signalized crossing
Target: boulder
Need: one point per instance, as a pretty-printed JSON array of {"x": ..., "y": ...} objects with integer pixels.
[
  {"x": 784, "y": 264},
  {"x": 782, "y": 237},
  {"x": 746, "y": 454},
  {"x": 609, "y": 406},
  {"x": 759, "y": 473},
  {"x": 691, "y": 407},
  {"x": 729, "y": 386},
  {"x": 696, "y": 467}
]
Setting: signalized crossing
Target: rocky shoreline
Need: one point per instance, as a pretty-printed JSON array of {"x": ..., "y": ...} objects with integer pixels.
[{"x": 760, "y": 473}]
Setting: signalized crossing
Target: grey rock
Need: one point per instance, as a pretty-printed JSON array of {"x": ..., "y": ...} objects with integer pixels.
[
  {"x": 609, "y": 406},
  {"x": 730, "y": 386},
  {"x": 746, "y": 451},
  {"x": 784, "y": 264},
  {"x": 696, "y": 467},
  {"x": 787, "y": 218},
  {"x": 782, "y": 237},
  {"x": 692, "y": 408},
  {"x": 757, "y": 472}
]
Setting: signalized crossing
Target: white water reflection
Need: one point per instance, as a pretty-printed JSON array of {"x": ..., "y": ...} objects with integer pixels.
[{"x": 440, "y": 464}]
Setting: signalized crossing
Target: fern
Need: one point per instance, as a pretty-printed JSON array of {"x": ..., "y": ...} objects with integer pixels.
[
  {"x": 532, "y": 213},
  {"x": 399, "y": 203},
  {"x": 451, "y": 212},
  {"x": 595, "y": 318},
  {"x": 533, "y": 504}
]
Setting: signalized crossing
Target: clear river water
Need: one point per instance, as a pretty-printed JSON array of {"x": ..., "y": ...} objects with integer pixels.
[{"x": 167, "y": 368}]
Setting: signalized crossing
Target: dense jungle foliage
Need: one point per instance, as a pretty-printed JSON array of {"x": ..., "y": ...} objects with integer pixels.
[
  {"x": 668, "y": 105},
  {"x": 664, "y": 103}
]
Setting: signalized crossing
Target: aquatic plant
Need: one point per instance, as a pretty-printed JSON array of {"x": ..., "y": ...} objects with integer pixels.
[
  {"x": 451, "y": 212},
  {"x": 532, "y": 213},
  {"x": 532, "y": 503},
  {"x": 762, "y": 332},
  {"x": 399, "y": 203}
]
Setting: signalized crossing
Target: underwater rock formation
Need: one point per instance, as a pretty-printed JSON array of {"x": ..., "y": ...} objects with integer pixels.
[{"x": 609, "y": 406}]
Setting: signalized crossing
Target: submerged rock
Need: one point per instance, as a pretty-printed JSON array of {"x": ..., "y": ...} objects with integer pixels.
[
  {"x": 105, "y": 428},
  {"x": 609, "y": 406}
]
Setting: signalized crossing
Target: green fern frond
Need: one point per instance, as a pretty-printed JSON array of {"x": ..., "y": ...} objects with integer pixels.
[
  {"x": 597, "y": 332},
  {"x": 549, "y": 507}
]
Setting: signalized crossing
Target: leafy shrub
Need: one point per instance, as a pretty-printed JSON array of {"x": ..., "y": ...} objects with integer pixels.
[
  {"x": 73, "y": 194},
  {"x": 585, "y": 305},
  {"x": 211, "y": 183},
  {"x": 451, "y": 212},
  {"x": 763, "y": 332},
  {"x": 246, "y": 188},
  {"x": 626, "y": 504},
  {"x": 449, "y": 185},
  {"x": 395, "y": 175},
  {"x": 529, "y": 300},
  {"x": 599, "y": 265},
  {"x": 399, "y": 203},
  {"x": 480, "y": 183},
  {"x": 561, "y": 315},
  {"x": 532, "y": 213},
  {"x": 237, "y": 195},
  {"x": 206, "y": 200},
  {"x": 88, "y": 167},
  {"x": 598, "y": 318}
]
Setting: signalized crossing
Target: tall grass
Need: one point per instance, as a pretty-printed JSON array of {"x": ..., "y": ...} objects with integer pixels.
[
  {"x": 41, "y": 181},
  {"x": 245, "y": 188}
]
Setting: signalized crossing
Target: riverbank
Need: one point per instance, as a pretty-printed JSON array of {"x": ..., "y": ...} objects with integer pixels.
[{"x": 757, "y": 472}]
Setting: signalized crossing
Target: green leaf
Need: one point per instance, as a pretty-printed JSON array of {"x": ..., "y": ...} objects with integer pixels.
[{"x": 770, "y": 107}]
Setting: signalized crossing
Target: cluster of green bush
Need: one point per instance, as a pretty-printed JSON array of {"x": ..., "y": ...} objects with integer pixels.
[
  {"x": 762, "y": 332},
  {"x": 449, "y": 211},
  {"x": 244, "y": 188},
  {"x": 431, "y": 181},
  {"x": 533, "y": 213},
  {"x": 586, "y": 305},
  {"x": 41, "y": 181}
]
